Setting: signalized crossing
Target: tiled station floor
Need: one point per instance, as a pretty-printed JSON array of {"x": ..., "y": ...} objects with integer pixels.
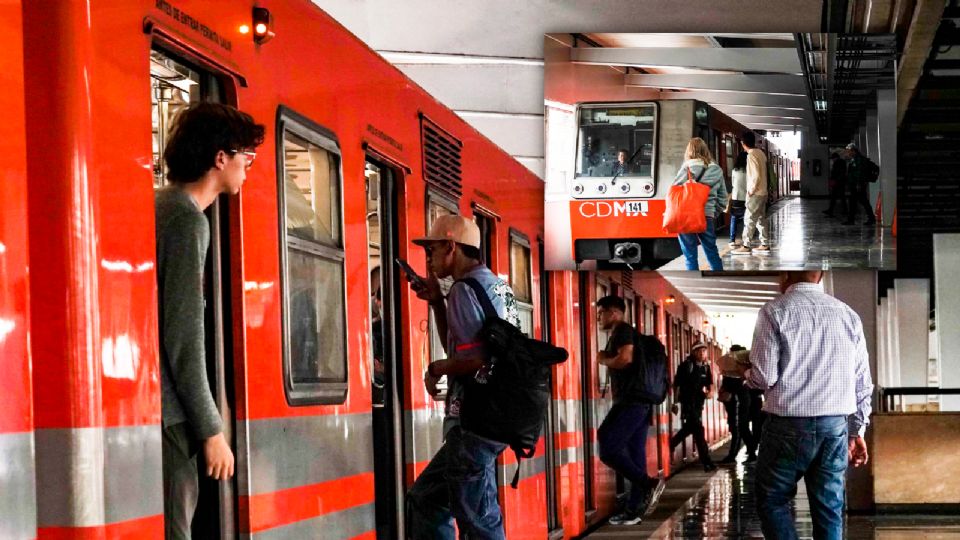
[
  {"x": 721, "y": 505},
  {"x": 802, "y": 237}
]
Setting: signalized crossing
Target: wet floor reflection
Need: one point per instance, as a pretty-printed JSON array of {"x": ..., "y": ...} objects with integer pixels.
[
  {"x": 802, "y": 237},
  {"x": 723, "y": 506}
]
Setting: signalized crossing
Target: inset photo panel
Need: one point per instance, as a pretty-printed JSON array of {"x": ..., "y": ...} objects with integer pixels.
[{"x": 755, "y": 152}]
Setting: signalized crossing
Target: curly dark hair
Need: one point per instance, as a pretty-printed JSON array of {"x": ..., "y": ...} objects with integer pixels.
[
  {"x": 202, "y": 130},
  {"x": 612, "y": 302}
]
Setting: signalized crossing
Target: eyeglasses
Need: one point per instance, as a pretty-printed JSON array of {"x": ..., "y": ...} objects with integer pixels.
[{"x": 250, "y": 156}]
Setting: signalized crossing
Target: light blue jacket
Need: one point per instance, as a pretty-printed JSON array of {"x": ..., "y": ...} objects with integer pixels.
[{"x": 713, "y": 177}]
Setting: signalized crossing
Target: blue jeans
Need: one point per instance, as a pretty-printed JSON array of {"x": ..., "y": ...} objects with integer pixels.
[
  {"x": 812, "y": 448},
  {"x": 623, "y": 447},
  {"x": 459, "y": 483},
  {"x": 708, "y": 239},
  {"x": 737, "y": 211}
]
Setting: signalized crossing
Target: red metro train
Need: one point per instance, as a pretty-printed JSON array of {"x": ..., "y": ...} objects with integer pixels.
[{"x": 355, "y": 149}]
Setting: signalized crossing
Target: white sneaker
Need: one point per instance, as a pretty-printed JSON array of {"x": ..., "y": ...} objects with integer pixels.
[
  {"x": 626, "y": 518},
  {"x": 762, "y": 250}
]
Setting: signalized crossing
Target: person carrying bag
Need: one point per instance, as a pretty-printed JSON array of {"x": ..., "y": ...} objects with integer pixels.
[{"x": 697, "y": 195}]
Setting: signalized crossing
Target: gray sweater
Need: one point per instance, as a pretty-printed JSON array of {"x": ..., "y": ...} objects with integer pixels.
[
  {"x": 712, "y": 177},
  {"x": 183, "y": 236}
]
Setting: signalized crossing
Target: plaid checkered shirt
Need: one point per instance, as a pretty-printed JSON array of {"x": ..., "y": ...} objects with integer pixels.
[{"x": 809, "y": 354}]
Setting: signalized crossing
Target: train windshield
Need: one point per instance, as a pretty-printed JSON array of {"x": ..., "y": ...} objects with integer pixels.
[{"x": 616, "y": 140}]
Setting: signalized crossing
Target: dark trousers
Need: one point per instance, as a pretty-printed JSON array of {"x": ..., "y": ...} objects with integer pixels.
[
  {"x": 738, "y": 419},
  {"x": 757, "y": 416},
  {"x": 623, "y": 447},
  {"x": 692, "y": 424},
  {"x": 858, "y": 197},
  {"x": 837, "y": 199},
  {"x": 459, "y": 483},
  {"x": 181, "y": 485},
  {"x": 812, "y": 448},
  {"x": 737, "y": 211}
]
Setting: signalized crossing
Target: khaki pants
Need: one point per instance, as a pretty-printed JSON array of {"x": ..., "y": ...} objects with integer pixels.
[
  {"x": 181, "y": 486},
  {"x": 756, "y": 218}
]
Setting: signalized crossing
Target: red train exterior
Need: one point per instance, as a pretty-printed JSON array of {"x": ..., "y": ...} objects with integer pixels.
[{"x": 80, "y": 389}]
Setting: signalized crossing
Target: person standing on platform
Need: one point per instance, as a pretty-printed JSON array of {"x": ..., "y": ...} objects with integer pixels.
[
  {"x": 859, "y": 185},
  {"x": 809, "y": 354},
  {"x": 623, "y": 433},
  {"x": 736, "y": 400},
  {"x": 837, "y": 184},
  {"x": 699, "y": 166},
  {"x": 210, "y": 148},
  {"x": 692, "y": 384},
  {"x": 756, "y": 215},
  {"x": 737, "y": 206}
]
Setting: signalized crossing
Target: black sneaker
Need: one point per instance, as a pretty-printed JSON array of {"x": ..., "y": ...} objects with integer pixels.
[
  {"x": 751, "y": 458},
  {"x": 655, "y": 497},
  {"x": 626, "y": 518},
  {"x": 709, "y": 467},
  {"x": 728, "y": 460}
]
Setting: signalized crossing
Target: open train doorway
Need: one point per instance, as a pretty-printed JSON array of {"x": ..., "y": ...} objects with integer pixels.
[
  {"x": 175, "y": 85},
  {"x": 386, "y": 367}
]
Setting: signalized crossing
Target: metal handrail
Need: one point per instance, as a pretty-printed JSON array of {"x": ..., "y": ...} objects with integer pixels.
[{"x": 888, "y": 395}]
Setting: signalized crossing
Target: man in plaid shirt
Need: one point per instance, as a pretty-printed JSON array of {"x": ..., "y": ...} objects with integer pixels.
[{"x": 809, "y": 354}]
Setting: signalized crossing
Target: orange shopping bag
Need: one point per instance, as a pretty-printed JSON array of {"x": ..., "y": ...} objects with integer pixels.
[{"x": 685, "y": 206}]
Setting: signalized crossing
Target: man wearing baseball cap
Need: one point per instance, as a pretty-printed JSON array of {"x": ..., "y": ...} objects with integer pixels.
[
  {"x": 460, "y": 481},
  {"x": 691, "y": 384}
]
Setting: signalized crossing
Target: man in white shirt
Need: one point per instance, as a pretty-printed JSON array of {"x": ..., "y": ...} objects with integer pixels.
[
  {"x": 756, "y": 218},
  {"x": 809, "y": 354}
]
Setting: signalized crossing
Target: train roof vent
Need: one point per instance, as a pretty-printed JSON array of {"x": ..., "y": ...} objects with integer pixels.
[
  {"x": 441, "y": 158},
  {"x": 626, "y": 278}
]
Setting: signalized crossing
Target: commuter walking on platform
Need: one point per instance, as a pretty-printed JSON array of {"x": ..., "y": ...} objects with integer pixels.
[
  {"x": 737, "y": 206},
  {"x": 809, "y": 354},
  {"x": 860, "y": 172},
  {"x": 837, "y": 184},
  {"x": 460, "y": 481},
  {"x": 699, "y": 166},
  {"x": 211, "y": 146},
  {"x": 736, "y": 400},
  {"x": 630, "y": 358},
  {"x": 756, "y": 215},
  {"x": 692, "y": 384}
]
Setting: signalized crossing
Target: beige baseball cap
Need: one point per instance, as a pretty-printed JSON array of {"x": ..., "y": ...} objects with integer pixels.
[{"x": 457, "y": 228}]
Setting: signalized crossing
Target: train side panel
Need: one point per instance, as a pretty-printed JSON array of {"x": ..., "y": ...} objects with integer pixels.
[{"x": 18, "y": 505}]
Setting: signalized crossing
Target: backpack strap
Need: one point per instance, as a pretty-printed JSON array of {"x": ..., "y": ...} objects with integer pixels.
[
  {"x": 482, "y": 296},
  {"x": 520, "y": 453}
]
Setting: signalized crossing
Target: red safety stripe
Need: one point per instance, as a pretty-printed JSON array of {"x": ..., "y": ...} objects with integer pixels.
[
  {"x": 147, "y": 527},
  {"x": 270, "y": 510},
  {"x": 468, "y": 346}
]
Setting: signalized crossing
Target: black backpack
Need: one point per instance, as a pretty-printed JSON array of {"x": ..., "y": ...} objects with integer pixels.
[
  {"x": 871, "y": 171},
  {"x": 653, "y": 379},
  {"x": 509, "y": 405}
]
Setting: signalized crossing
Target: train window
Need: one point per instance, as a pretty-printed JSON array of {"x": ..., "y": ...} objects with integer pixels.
[
  {"x": 603, "y": 289},
  {"x": 173, "y": 87},
  {"x": 312, "y": 259},
  {"x": 488, "y": 235},
  {"x": 521, "y": 280},
  {"x": 607, "y": 131}
]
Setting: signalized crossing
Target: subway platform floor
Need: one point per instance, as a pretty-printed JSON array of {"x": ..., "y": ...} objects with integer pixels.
[
  {"x": 802, "y": 237},
  {"x": 721, "y": 505}
]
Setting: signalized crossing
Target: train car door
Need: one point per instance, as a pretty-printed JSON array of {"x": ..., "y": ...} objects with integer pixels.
[
  {"x": 175, "y": 84},
  {"x": 586, "y": 394},
  {"x": 382, "y": 182},
  {"x": 554, "y": 527}
]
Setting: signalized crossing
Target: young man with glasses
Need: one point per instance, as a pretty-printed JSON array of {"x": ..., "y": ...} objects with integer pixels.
[{"x": 210, "y": 148}]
